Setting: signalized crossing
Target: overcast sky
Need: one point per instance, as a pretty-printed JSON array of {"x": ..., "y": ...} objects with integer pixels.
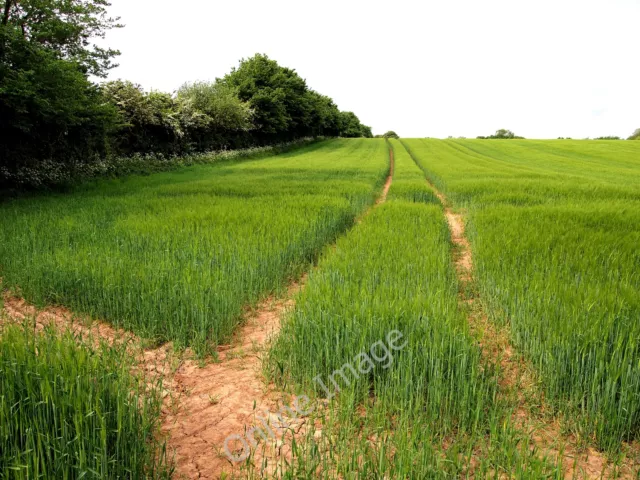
[{"x": 542, "y": 68}]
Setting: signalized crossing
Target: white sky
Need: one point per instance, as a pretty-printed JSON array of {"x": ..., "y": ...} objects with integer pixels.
[{"x": 542, "y": 68}]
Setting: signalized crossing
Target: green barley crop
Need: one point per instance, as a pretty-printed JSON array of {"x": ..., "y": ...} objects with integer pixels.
[
  {"x": 555, "y": 230},
  {"x": 69, "y": 411},
  {"x": 390, "y": 273},
  {"x": 408, "y": 179},
  {"x": 430, "y": 411},
  {"x": 179, "y": 255}
]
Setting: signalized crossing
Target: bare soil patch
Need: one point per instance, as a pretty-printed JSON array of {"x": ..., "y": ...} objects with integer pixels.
[
  {"x": 230, "y": 397},
  {"x": 220, "y": 399},
  {"x": 208, "y": 403},
  {"x": 387, "y": 184},
  {"x": 16, "y": 310}
]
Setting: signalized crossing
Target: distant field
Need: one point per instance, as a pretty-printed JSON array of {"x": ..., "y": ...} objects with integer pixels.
[
  {"x": 555, "y": 232},
  {"x": 179, "y": 255}
]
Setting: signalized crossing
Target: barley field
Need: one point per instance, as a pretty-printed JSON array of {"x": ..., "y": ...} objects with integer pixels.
[
  {"x": 517, "y": 334},
  {"x": 555, "y": 230}
]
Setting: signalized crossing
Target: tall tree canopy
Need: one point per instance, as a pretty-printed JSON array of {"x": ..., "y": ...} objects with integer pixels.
[
  {"x": 350, "y": 126},
  {"x": 284, "y": 107},
  {"x": 52, "y": 117},
  {"x": 49, "y": 112},
  {"x": 271, "y": 92},
  {"x": 147, "y": 122},
  {"x": 66, "y": 27},
  {"x": 503, "y": 134},
  {"x": 220, "y": 105},
  {"x": 213, "y": 116}
]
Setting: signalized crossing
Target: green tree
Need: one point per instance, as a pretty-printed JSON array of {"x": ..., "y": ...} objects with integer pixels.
[
  {"x": 324, "y": 116},
  {"x": 65, "y": 27},
  {"x": 350, "y": 126},
  {"x": 272, "y": 92},
  {"x": 219, "y": 103},
  {"x": 635, "y": 135},
  {"x": 284, "y": 108},
  {"x": 391, "y": 134},
  {"x": 49, "y": 114},
  {"x": 213, "y": 116},
  {"x": 148, "y": 122},
  {"x": 503, "y": 134},
  {"x": 53, "y": 119}
]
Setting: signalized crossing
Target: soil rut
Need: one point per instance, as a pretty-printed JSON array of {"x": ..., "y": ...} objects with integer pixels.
[
  {"x": 17, "y": 310},
  {"x": 387, "y": 184},
  {"x": 229, "y": 397},
  {"x": 221, "y": 399}
]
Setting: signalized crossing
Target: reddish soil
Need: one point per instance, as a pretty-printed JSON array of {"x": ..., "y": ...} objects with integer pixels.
[
  {"x": 229, "y": 397},
  {"x": 211, "y": 402},
  {"x": 203, "y": 404},
  {"x": 464, "y": 262},
  {"x": 17, "y": 311},
  {"x": 387, "y": 183}
]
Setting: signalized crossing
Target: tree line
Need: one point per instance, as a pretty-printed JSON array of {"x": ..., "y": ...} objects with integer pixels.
[
  {"x": 508, "y": 134},
  {"x": 503, "y": 134},
  {"x": 55, "y": 120}
]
